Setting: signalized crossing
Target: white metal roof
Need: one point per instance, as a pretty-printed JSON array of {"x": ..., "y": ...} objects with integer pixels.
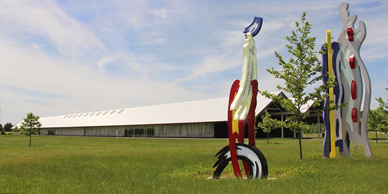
[
  {"x": 304, "y": 108},
  {"x": 211, "y": 110}
]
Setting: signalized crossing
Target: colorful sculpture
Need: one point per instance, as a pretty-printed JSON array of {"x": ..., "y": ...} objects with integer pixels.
[
  {"x": 241, "y": 111},
  {"x": 342, "y": 62}
]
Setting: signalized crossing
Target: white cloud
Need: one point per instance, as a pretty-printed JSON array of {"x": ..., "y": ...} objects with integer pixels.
[
  {"x": 46, "y": 20},
  {"x": 103, "y": 61},
  {"x": 160, "y": 14},
  {"x": 60, "y": 57},
  {"x": 119, "y": 58},
  {"x": 211, "y": 65},
  {"x": 31, "y": 87}
]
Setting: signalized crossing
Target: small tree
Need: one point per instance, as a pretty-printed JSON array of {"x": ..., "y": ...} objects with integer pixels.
[
  {"x": 1, "y": 129},
  {"x": 384, "y": 108},
  {"x": 378, "y": 121},
  {"x": 30, "y": 125},
  {"x": 378, "y": 118},
  {"x": 268, "y": 124},
  {"x": 299, "y": 72},
  {"x": 8, "y": 127}
]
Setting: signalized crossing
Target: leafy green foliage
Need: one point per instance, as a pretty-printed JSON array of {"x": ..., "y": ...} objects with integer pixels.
[
  {"x": 313, "y": 128},
  {"x": 378, "y": 121},
  {"x": 378, "y": 118},
  {"x": 8, "y": 127},
  {"x": 383, "y": 104},
  {"x": 30, "y": 125},
  {"x": 299, "y": 72},
  {"x": 16, "y": 129},
  {"x": 268, "y": 124}
]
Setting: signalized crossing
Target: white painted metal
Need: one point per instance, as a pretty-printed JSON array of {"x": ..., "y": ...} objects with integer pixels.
[{"x": 242, "y": 101}]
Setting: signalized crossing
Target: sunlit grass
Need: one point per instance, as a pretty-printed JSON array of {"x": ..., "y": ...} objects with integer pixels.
[{"x": 123, "y": 165}]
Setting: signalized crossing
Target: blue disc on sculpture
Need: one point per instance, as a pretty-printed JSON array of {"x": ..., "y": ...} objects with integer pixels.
[{"x": 254, "y": 27}]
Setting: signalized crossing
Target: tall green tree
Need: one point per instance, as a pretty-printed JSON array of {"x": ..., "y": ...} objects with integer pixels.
[
  {"x": 30, "y": 125},
  {"x": 268, "y": 124},
  {"x": 303, "y": 69}
]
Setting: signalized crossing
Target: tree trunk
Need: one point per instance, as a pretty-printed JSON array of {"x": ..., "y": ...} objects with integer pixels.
[
  {"x": 319, "y": 128},
  {"x": 376, "y": 136},
  {"x": 30, "y": 138},
  {"x": 267, "y": 138},
  {"x": 319, "y": 132},
  {"x": 300, "y": 144}
]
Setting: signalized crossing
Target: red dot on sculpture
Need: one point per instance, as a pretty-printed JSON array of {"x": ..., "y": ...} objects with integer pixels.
[
  {"x": 352, "y": 62},
  {"x": 354, "y": 115},
  {"x": 353, "y": 89},
  {"x": 350, "y": 34}
]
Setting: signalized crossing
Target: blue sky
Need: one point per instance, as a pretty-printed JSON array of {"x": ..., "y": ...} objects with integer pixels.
[{"x": 61, "y": 57}]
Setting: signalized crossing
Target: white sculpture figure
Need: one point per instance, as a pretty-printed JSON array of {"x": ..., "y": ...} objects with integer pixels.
[
  {"x": 242, "y": 101},
  {"x": 355, "y": 80}
]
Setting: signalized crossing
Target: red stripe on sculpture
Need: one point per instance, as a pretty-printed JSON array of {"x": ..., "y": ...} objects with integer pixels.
[
  {"x": 352, "y": 62},
  {"x": 353, "y": 89},
  {"x": 350, "y": 34},
  {"x": 354, "y": 115}
]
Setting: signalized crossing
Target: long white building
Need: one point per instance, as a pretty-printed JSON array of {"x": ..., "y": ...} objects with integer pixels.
[{"x": 203, "y": 118}]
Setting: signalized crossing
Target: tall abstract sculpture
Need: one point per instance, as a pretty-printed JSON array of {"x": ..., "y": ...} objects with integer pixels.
[
  {"x": 241, "y": 112},
  {"x": 352, "y": 88}
]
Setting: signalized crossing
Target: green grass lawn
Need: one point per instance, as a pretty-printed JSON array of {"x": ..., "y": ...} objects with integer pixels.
[
  {"x": 371, "y": 135},
  {"x": 124, "y": 165}
]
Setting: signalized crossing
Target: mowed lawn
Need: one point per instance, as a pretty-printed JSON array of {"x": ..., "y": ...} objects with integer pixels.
[{"x": 127, "y": 165}]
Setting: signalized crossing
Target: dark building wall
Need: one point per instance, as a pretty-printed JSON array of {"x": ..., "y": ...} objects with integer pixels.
[
  {"x": 221, "y": 130},
  {"x": 212, "y": 129},
  {"x": 163, "y": 130}
]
